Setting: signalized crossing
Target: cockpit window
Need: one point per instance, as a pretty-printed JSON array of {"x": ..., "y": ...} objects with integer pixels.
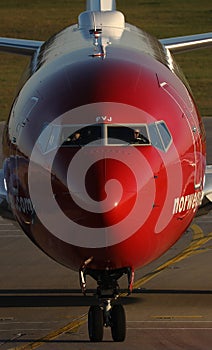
[
  {"x": 134, "y": 135},
  {"x": 49, "y": 138},
  {"x": 155, "y": 134},
  {"x": 81, "y": 136},
  {"x": 118, "y": 135},
  {"x": 165, "y": 135},
  {"x": 160, "y": 135},
  {"x": 155, "y": 137}
]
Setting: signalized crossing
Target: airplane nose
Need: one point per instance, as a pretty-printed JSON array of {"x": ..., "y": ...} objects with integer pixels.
[
  {"x": 102, "y": 185},
  {"x": 101, "y": 195},
  {"x": 105, "y": 187}
]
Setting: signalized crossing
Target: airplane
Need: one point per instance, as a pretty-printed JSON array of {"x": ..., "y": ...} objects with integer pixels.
[{"x": 104, "y": 152}]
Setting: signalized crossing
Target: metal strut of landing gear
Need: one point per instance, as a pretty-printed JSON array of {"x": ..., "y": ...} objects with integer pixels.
[{"x": 108, "y": 313}]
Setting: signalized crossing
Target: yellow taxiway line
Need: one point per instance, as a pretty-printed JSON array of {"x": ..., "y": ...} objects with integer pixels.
[
  {"x": 193, "y": 249},
  {"x": 72, "y": 326}
]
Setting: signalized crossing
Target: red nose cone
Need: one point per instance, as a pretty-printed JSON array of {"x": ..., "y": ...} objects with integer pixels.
[
  {"x": 112, "y": 185},
  {"x": 101, "y": 189},
  {"x": 107, "y": 191}
]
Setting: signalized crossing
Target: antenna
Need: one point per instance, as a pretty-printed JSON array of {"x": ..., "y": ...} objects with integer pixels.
[{"x": 101, "y": 5}]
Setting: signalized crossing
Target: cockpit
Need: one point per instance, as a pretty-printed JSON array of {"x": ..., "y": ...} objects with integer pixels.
[{"x": 155, "y": 134}]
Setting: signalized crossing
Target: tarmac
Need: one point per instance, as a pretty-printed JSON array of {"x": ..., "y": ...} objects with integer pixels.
[{"x": 41, "y": 305}]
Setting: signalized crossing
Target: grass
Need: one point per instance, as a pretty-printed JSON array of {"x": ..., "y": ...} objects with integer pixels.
[{"x": 40, "y": 19}]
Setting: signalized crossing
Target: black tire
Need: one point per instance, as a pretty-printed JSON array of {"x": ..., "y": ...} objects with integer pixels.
[
  {"x": 95, "y": 324},
  {"x": 118, "y": 323}
]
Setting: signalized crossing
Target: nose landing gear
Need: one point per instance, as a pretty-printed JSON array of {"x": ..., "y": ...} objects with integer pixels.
[
  {"x": 107, "y": 316},
  {"x": 108, "y": 313}
]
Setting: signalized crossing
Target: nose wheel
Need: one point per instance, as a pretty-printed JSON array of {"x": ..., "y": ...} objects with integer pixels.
[
  {"x": 95, "y": 323},
  {"x": 118, "y": 323},
  {"x": 106, "y": 316}
]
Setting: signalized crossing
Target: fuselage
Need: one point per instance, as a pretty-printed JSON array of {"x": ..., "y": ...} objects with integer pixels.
[{"x": 108, "y": 197}]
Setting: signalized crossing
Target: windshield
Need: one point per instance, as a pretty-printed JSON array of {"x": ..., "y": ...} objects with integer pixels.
[{"x": 155, "y": 134}]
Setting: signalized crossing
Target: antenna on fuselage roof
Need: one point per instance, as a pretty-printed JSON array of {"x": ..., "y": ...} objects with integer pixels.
[{"x": 101, "y": 5}]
